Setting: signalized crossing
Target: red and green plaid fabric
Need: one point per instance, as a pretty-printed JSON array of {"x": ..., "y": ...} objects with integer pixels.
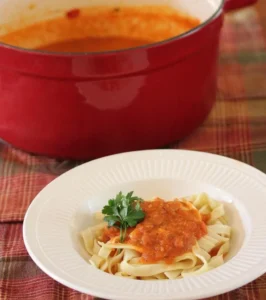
[{"x": 235, "y": 128}]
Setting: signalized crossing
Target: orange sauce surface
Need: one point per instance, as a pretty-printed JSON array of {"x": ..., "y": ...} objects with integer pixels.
[
  {"x": 94, "y": 44},
  {"x": 102, "y": 28},
  {"x": 169, "y": 229}
]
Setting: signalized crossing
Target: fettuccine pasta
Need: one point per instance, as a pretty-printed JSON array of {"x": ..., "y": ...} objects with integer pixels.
[{"x": 178, "y": 238}]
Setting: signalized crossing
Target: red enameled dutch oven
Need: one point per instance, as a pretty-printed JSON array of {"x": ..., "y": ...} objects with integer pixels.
[{"x": 93, "y": 104}]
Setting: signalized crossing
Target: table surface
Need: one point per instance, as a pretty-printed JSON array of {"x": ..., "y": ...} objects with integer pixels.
[
  {"x": 236, "y": 128},
  {"x": 261, "y": 9}
]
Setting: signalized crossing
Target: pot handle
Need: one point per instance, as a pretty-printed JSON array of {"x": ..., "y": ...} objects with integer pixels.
[{"x": 234, "y": 4}]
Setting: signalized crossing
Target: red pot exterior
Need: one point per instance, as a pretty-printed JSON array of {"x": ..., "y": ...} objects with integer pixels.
[
  {"x": 91, "y": 105},
  {"x": 236, "y": 4}
]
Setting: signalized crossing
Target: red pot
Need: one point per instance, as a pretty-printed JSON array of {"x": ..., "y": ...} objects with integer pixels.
[{"x": 88, "y": 105}]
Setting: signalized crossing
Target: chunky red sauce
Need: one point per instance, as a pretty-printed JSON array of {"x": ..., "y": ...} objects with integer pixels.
[
  {"x": 205, "y": 218},
  {"x": 169, "y": 229}
]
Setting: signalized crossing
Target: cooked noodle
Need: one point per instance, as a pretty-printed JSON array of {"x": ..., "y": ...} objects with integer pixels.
[{"x": 124, "y": 259}]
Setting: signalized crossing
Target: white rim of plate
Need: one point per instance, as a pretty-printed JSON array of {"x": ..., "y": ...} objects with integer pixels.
[{"x": 51, "y": 249}]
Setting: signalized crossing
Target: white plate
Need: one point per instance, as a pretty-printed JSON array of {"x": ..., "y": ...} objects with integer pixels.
[{"x": 66, "y": 205}]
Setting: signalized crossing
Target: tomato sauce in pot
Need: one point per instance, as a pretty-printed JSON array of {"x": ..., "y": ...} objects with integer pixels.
[{"x": 103, "y": 29}]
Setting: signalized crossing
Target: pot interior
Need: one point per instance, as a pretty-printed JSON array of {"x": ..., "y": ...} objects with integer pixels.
[{"x": 18, "y": 14}]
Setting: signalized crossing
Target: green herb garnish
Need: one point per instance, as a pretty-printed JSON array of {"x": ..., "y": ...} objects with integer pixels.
[{"x": 122, "y": 212}]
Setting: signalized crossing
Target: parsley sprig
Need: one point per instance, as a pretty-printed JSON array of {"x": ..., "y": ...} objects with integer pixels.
[{"x": 122, "y": 212}]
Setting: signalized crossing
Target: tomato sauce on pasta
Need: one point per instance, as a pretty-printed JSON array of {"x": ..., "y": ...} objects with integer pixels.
[{"x": 169, "y": 229}]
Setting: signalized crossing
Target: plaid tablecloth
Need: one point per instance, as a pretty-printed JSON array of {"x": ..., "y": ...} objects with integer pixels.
[{"x": 235, "y": 128}]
